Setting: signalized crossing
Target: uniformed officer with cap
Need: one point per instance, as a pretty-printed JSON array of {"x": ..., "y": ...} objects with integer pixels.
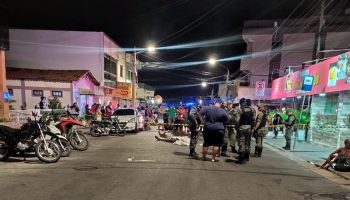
[
  {"x": 230, "y": 130},
  {"x": 260, "y": 131}
]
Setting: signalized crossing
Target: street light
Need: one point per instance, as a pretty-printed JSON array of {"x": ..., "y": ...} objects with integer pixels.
[
  {"x": 212, "y": 61},
  {"x": 204, "y": 84},
  {"x": 151, "y": 49}
]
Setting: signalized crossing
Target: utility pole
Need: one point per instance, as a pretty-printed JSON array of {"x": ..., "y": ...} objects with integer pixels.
[
  {"x": 134, "y": 80},
  {"x": 227, "y": 83},
  {"x": 318, "y": 47},
  {"x": 320, "y": 36}
]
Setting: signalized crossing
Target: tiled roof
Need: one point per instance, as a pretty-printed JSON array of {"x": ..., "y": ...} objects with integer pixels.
[{"x": 48, "y": 75}]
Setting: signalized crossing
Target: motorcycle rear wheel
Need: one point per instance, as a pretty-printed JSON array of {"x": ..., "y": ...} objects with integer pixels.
[
  {"x": 51, "y": 155},
  {"x": 4, "y": 151}
]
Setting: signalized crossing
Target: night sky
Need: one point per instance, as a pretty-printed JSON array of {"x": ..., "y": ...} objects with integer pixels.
[{"x": 163, "y": 22}]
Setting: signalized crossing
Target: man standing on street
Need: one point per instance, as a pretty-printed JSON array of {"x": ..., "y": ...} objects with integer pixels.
[
  {"x": 244, "y": 131},
  {"x": 230, "y": 131},
  {"x": 214, "y": 129},
  {"x": 289, "y": 129},
  {"x": 172, "y": 116},
  {"x": 260, "y": 131}
]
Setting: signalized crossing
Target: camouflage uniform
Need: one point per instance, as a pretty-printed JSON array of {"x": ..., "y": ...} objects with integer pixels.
[
  {"x": 289, "y": 130},
  {"x": 230, "y": 131},
  {"x": 260, "y": 133},
  {"x": 244, "y": 133},
  {"x": 193, "y": 125}
]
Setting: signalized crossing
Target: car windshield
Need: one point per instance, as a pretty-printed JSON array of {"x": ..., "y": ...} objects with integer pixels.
[{"x": 124, "y": 112}]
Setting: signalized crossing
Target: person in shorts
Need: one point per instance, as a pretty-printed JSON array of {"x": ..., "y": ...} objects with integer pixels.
[
  {"x": 214, "y": 127},
  {"x": 160, "y": 118}
]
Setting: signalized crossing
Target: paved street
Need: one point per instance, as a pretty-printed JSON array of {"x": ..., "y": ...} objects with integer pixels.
[{"x": 161, "y": 171}]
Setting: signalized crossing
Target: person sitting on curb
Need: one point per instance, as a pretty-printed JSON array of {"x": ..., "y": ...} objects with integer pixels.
[{"x": 339, "y": 157}]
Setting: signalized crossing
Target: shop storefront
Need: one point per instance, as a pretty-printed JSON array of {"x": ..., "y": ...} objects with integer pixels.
[{"x": 330, "y": 105}]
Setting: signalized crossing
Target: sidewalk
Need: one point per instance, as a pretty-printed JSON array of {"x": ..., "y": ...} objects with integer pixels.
[{"x": 312, "y": 153}]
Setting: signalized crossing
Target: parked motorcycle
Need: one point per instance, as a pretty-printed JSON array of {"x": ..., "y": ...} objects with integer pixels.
[
  {"x": 108, "y": 127},
  {"x": 67, "y": 126},
  {"x": 55, "y": 134},
  {"x": 28, "y": 138}
]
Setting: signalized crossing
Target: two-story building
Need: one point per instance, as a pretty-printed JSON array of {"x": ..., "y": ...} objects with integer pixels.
[{"x": 75, "y": 50}]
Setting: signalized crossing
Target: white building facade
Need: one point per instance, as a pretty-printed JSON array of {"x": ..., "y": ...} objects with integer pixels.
[{"x": 73, "y": 50}]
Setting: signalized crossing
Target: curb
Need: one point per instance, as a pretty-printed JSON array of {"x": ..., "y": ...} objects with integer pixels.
[
  {"x": 332, "y": 171},
  {"x": 279, "y": 148},
  {"x": 310, "y": 162}
]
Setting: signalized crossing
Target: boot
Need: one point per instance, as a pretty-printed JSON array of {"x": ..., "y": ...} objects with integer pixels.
[
  {"x": 256, "y": 153},
  {"x": 223, "y": 151},
  {"x": 287, "y": 147},
  {"x": 241, "y": 158},
  {"x": 246, "y": 156},
  {"x": 233, "y": 149},
  {"x": 193, "y": 154},
  {"x": 260, "y": 151}
]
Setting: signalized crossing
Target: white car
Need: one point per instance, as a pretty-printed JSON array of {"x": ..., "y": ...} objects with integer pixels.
[{"x": 133, "y": 119}]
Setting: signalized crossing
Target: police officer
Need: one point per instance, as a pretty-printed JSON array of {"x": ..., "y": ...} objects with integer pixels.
[
  {"x": 289, "y": 129},
  {"x": 260, "y": 131},
  {"x": 193, "y": 120},
  {"x": 230, "y": 131},
  {"x": 244, "y": 131}
]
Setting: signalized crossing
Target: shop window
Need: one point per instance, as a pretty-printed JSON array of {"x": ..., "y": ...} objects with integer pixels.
[
  {"x": 331, "y": 105},
  {"x": 38, "y": 93},
  {"x": 57, "y": 93},
  {"x": 10, "y": 91},
  {"x": 110, "y": 71}
]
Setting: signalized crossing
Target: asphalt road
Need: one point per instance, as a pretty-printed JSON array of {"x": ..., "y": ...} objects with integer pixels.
[{"x": 161, "y": 171}]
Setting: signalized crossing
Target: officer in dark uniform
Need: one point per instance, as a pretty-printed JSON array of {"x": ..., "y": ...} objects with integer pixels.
[
  {"x": 193, "y": 126},
  {"x": 244, "y": 131},
  {"x": 289, "y": 129}
]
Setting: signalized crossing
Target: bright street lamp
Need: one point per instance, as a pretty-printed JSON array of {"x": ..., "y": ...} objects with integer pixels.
[
  {"x": 151, "y": 48},
  {"x": 204, "y": 84},
  {"x": 212, "y": 61}
]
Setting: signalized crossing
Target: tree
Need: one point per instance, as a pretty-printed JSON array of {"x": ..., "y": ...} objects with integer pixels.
[{"x": 55, "y": 103}]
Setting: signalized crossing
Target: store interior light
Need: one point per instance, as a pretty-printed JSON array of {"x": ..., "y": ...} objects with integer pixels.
[
  {"x": 298, "y": 97},
  {"x": 283, "y": 99},
  {"x": 322, "y": 94}
]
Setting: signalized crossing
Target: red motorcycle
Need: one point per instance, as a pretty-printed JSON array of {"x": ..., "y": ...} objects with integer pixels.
[{"x": 67, "y": 125}]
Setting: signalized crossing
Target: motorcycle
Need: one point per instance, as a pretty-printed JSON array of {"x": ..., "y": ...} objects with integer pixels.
[
  {"x": 108, "y": 127},
  {"x": 67, "y": 126},
  {"x": 26, "y": 139},
  {"x": 55, "y": 135}
]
